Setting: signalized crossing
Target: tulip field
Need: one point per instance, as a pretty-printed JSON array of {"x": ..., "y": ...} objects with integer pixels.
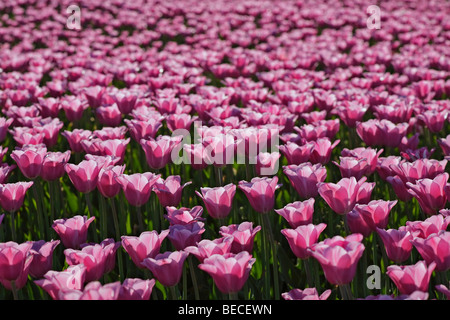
[{"x": 224, "y": 149}]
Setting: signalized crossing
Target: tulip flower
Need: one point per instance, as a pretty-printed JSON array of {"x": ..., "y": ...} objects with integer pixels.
[
  {"x": 15, "y": 260},
  {"x": 306, "y": 294},
  {"x": 169, "y": 190},
  {"x": 410, "y": 278},
  {"x": 184, "y": 215},
  {"x": 298, "y": 213},
  {"x": 159, "y": 151},
  {"x": 302, "y": 238},
  {"x": 147, "y": 245},
  {"x": 53, "y": 165},
  {"x": 54, "y": 282},
  {"x": 30, "y": 160},
  {"x": 435, "y": 248},
  {"x": 42, "y": 252},
  {"x": 260, "y": 192},
  {"x": 137, "y": 187},
  {"x": 72, "y": 231},
  {"x": 243, "y": 236},
  {"x": 423, "y": 229},
  {"x": 167, "y": 267},
  {"x": 305, "y": 177},
  {"x": 397, "y": 243},
  {"x": 206, "y": 248},
  {"x": 136, "y": 289},
  {"x": 430, "y": 193},
  {"x": 106, "y": 182},
  {"x": 219, "y": 200},
  {"x": 84, "y": 176},
  {"x": 229, "y": 271},
  {"x": 93, "y": 291},
  {"x": 185, "y": 235},
  {"x": 341, "y": 196}
]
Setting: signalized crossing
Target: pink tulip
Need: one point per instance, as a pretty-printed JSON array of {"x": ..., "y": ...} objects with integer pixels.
[
  {"x": 384, "y": 166},
  {"x": 243, "y": 236},
  {"x": 305, "y": 177},
  {"x": 430, "y": 193},
  {"x": 206, "y": 248},
  {"x": 53, "y": 165},
  {"x": 72, "y": 231},
  {"x": 42, "y": 257},
  {"x": 106, "y": 182},
  {"x": 298, "y": 213},
  {"x": 434, "y": 120},
  {"x": 397, "y": 243},
  {"x": 125, "y": 101},
  {"x": 15, "y": 260},
  {"x": 435, "y": 248},
  {"x": 302, "y": 238},
  {"x": 185, "y": 235},
  {"x": 73, "y": 108},
  {"x": 147, "y": 245},
  {"x": 229, "y": 271},
  {"x": 260, "y": 193},
  {"x": 350, "y": 113},
  {"x": 219, "y": 200},
  {"x": 341, "y": 196},
  {"x": 74, "y": 138},
  {"x": 411, "y": 278},
  {"x": 92, "y": 256},
  {"x": 184, "y": 215},
  {"x": 444, "y": 143},
  {"x": 365, "y": 192},
  {"x": 375, "y": 213},
  {"x": 136, "y": 289},
  {"x": 159, "y": 151},
  {"x": 322, "y": 150},
  {"x": 339, "y": 257},
  {"x": 443, "y": 289},
  {"x": 143, "y": 129},
  {"x": 352, "y": 167},
  {"x": 4, "y": 125},
  {"x": 306, "y": 294},
  {"x": 30, "y": 160},
  {"x": 423, "y": 229},
  {"x": 167, "y": 267},
  {"x": 12, "y": 195},
  {"x": 169, "y": 190},
  {"x": 137, "y": 187},
  {"x": 357, "y": 223},
  {"x": 297, "y": 154},
  {"x": 197, "y": 156},
  {"x": 93, "y": 291},
  {"x": 180, "y": 121},
  {"x": 84, "y": 176},
  {"x": 108, "y": 115},
  {"x": 267, "y": 164},
  {"x": 54, "y": 282}
]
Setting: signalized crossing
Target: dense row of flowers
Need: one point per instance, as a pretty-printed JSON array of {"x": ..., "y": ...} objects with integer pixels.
[{"x": 319, "y": 149}]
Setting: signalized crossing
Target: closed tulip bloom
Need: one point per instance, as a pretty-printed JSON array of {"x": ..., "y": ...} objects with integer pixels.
[
  {"x": 267, "y": 164},
  {"x": 430, "y": 193},
  {"x": 435, "y": 248},
  {"x": 350, "y": 113},
  {"x": 364, "y": 192},
  {"x": 72, "y": 231},
  {"x": 357, "y": 223},
  {"x": 197, "y": 156},
  {"x": 125, "y": 101},
  {"x": 243, "y": 236},
  {"x": 106, "y": 182},
  {"x": 158, "y": 151},
  {"x": 12, "y": 195},
  {"x": 184, "y": 215},
  {"x": 341, "y": 196},
  {"x": 376, "y": 213},
  {"x": 74, "y": 138},
  {"x": 384, "y": 166},
  {"x": 84, "y": 176},
  {"x": 110, "y": 247},
  {"x": 4, "y": 125},
  {"x": 167, "y": 267},
  {"x": 339, "y": 257},
  {"x": 260, "y": 193},
  {"x": 306, "y": 294},
  {"x": 297, "y": 154},
  {"x": 229, "y": 271},
  {"x": 302, "y": 238},
  {"x": 14, "y": 259},
  {"x": 30, "y": 160},
  {"x": 169, "y": 190},
  {"x": 137, "y": 187},
  {"x": 423, "y": 229},
  {"x": 298, "y": 213},
  {"x": 113, "y": 147},
  {"x": 147, "y": 245},
  {"x": 42, "y": 252},
  {"x": 143, "y": 129},
  {"x": 73, "y": 108},
  {"x": 411, "y": 278},
  {"x": 92, "y": 256},
  {"x": 305, "y": 177},
  {"x": 434, "y": 120},
  {"x": 219, "y": 200},
  {"x": 397, "y": 243},
  {"x": 206, "y": 248},
  {"x": 54, "y": 282},
  {"x": 5, "y": 172},
  {"x": 136, "y": 289},
  {"x": 53, "y": 165},
  {"x": 185, "y": 235},
  {"x": 180, "y": 121},
  {"x": 108, "y": 115},
  {"x": 322, "y": 150},
  {"x": 352, "y": 167}
]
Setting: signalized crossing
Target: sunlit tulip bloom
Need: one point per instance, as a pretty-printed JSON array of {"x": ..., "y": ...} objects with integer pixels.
[
  {"x": 146, "y": 245},
  {"x": 218, "y": 200},
  {"x": 73, "y": 231},
  {"x": 410, "y": 278},
  {"x": 167, "y": 267}
]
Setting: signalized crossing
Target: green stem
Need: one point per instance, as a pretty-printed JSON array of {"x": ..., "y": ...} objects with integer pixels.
[
  {"x": 104, "y": 219},
  {"x": 39, "y": 211},
  {"x": 194, "y": 278},
  {"x": 140, "y": 221},
  {"x": 308, "y": 273},
  {"x": 271, "y": 240},
  {"x": 13, "y": 226},
  {"x": 14, "y": 290},
  {"x": 91, "y": 213},
  {"x": 118, "y": 237},
  {"x": 265, "y": 262},
  {"x": 233, "y": 296},
  {"x": 173, "y": 292}
]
